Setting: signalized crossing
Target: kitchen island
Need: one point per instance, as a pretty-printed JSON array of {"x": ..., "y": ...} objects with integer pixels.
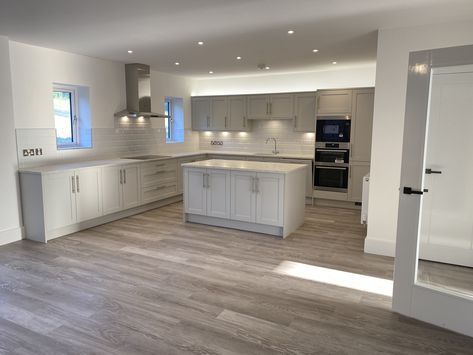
[{"x": 255, "y": 196}]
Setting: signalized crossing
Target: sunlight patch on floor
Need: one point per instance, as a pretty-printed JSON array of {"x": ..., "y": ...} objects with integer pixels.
[{"x": 336, "y": 277}]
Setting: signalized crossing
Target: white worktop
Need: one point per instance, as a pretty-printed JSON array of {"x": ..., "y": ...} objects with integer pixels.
[
  {"x": 118, "y": 161},
  {"x": 243, "y": 165}
]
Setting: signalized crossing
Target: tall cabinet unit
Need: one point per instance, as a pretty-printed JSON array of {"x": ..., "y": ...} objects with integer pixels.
[
  {"x": 304, "y": 115},
  {"x": 361, "y": 133}
]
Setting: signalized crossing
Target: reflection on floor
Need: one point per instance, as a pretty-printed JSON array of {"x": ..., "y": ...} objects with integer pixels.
[
  {"x": 450, "y": 277},
  {"x": 152, "y": 284}
]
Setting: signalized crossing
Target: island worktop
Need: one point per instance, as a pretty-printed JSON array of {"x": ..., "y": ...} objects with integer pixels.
[
  {"x": 261, "y": 197},
  {"x": 243, "y": 165}
]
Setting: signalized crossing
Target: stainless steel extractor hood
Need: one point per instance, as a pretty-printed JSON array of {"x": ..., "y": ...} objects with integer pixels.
[{"x": 138, "y": 92}]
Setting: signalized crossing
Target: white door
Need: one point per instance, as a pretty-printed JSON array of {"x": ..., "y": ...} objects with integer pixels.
[
  {"x": 258, "y": 106},
  {"x": 282, "y": 106},
  {"x": 304, "y": 117},
  {"x": 269, "y": 199},
  {"x": 111, "y": 189},
  {"x": 88, "y": 194},
  {"x": 131, "y": 186},
  {"x": 237, "y": 113},
  {"x": 218, "y": 108},
  {"x": 437, "y": 97},
  {"x": 195, "y": 191},
  {"x": 59, "y": 200},
  {"x": 218, "y": 193},
  {"x": 243, "y": 198},
  {"x": 200, "y": 113}
]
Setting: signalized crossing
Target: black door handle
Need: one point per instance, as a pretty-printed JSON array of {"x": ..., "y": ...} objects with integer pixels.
[
  {"x": 409, "y": 191},
  {"x": 430, "y": 171}
]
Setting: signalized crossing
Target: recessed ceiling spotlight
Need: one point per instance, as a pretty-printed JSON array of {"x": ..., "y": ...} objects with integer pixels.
[
  {"x": 211, "y": 72},
  {"x": 177, "y": 63},
  {"x": 290, "y": 32},
  {"x": 238, "y": 58},
  {"x": 130, "y": 51},
  {"x": 315, "y": 50},
  {"x": 200, "y": 43},
  {"x": 334, "y": 62}
]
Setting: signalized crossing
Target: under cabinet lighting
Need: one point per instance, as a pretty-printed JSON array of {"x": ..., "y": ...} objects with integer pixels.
[
  {"x": 211, "y": 72},
  {"x": 200, "y": 43},
  {"x": 130, "y": 51},
  {"x": 315, "y": 50},
  {"x": 238, "y": 58},
  {"x": 334, "y": 62},
  {"x": 290, "y": 32},
  {"x": 177, "y": 63}
]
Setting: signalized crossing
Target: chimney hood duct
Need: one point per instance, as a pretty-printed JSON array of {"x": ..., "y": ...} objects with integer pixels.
[{"x": 138, "y": 92}]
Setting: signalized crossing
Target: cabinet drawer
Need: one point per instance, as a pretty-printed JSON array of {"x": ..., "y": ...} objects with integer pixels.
[
  {"x": 155, "y": 193},
  {"x": 157, "y": 172}
]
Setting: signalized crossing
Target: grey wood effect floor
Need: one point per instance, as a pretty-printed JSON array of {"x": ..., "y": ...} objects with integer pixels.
[{"x": 151, "y": 284}]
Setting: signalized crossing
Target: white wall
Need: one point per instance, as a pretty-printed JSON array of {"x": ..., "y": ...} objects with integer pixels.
[
  {"x": 10, "y": 227},
  {"x": 35, "y": 69},
  {"x": 308, "y": 81},
  {"x": 394, "y": 46}
]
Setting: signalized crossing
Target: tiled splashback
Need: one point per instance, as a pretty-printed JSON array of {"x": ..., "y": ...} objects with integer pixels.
[
  {"x": 289, "y": 142},
  {"x": 107, "y": 143}
]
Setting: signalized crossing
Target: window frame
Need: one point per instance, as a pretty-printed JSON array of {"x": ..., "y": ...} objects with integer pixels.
[
  {"x": 75, "y": 121},
  {"x": 169, "y": 101}
]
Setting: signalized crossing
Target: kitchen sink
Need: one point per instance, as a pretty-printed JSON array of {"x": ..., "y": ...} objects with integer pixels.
[{"x": 148, "y": 157}]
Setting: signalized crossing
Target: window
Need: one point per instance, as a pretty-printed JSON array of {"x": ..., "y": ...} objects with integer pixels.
[
  {"x": 174, "y": 124},
  {"x": 72, "y": 116}
]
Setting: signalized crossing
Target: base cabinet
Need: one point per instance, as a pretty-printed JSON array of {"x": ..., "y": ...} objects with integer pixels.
[
  {"x": 59, "y": 199},
  {"x": 355, "y": 185},
  {"x": 269, "y": 189},
  {"x": 120, "y": 188},
  {"x": 207, "y": 192}
]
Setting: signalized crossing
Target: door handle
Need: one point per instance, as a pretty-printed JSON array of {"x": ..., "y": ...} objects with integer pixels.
[
  {"x": 295, "y": 121},
  {"x": 73, "y": 184},
  {"x": 204, "y": 176},
  {"x": 257, "y": 185},
  {"x": 225, "y": 121},
  {"x": 244, "y": 121},
  {"x": 253, "y": 185},
  {"x": 410, "y": 191},
  {"x": 121, "y": 177},
  {"x": 124, "y": 176},
  {"x": 77, "y": 183},
  {"x": 430, "y": 171}
]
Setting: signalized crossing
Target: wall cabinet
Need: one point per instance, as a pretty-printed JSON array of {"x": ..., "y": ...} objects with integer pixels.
[
  {"x": 120, "y": 188},
  {"x": 200, "y": 107},
  {"x": 276, "y": 106},
  {"x": 237, "y": 113},
  {"x": 355, "y": 182},
  {"x": 304, "y": 116},
  {"x": 362, "y": 125},
  {"x": 218, "y": 113},
  {"x": 334, "y": 102},
  {"x": 207, "y": 192}
]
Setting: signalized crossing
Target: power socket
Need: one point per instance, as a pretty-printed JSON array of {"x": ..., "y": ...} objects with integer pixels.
[
  {"x": 216, "y": 142},
  {"x": 31, "y": 152}
]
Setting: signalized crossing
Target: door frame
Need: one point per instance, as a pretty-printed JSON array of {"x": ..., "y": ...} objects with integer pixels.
[{"x": 415, "y": 299}]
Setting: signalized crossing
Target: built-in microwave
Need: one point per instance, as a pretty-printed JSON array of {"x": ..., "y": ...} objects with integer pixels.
[{"x": 333, "y": 129}]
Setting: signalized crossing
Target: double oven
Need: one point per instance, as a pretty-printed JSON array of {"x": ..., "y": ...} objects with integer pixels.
[{"x": 332, "y": 153}]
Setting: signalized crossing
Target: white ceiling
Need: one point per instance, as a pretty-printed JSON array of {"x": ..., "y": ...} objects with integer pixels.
[{"x": 162, "y": 32}]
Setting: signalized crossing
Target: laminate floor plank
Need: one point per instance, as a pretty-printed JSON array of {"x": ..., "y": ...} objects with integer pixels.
[{"x": 152, "y": 284}]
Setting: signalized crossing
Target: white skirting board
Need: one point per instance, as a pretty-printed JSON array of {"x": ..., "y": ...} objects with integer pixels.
[
  {"x": 11, "y": 235},
  {"x": 380, "y": 247}
]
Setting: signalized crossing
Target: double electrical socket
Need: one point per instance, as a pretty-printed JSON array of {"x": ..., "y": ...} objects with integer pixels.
[
  {"x": 216, "y": 142},
  {"x": 31, "y": 152}
]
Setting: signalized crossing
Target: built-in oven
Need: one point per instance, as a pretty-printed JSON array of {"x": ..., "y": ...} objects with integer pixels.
[
  {"x": 333, "y": 129},
  {"x": 331, "y": 166},
  {"x": 331, "y": 177},
  {"x": 338, "y": 153}
]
